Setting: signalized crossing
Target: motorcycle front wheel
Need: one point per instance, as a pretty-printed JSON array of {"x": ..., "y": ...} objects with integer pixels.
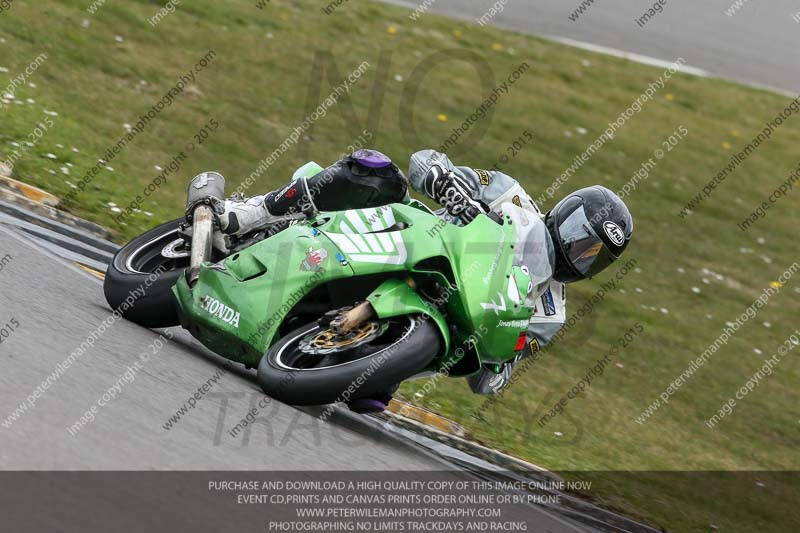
[{"x": 314, "y": 366}]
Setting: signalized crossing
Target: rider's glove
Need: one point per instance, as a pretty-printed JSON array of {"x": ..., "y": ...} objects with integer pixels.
[{"x": 450, "y": 191}]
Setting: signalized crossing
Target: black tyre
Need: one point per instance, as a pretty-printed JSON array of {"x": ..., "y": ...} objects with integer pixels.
[
  {"x": 311, "y": 366},
  {"x": 132, "y": 271}
]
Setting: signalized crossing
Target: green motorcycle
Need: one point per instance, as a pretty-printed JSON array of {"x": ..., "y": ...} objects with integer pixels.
[{"x": 355, "y": 301}]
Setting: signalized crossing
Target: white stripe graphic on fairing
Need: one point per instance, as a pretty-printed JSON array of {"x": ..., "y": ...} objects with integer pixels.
[
  {"x": 373, "y": 243},
  {"x": 398, "y": 246},
  {"x": 395, "y": 249},
  {"x": 359, "y": 242},
  {"x": 344, "y": 243},
  {"x": 386, "y": 241},
  {"x": 356, "y": 221},
  {"x": 354, "y": 238},
  {"x": 388, "y": 216},
  {"x": 373, "y": 218}
]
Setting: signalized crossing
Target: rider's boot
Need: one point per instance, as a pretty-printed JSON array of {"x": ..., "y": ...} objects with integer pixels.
[
  {"x": 237, "y": 217},
  {"x": 276, "y": 209}
]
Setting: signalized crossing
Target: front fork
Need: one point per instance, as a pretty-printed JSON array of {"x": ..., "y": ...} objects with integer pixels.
[
  {"x": 202, "y": 238},
  {"x": 205, "y": 190}
]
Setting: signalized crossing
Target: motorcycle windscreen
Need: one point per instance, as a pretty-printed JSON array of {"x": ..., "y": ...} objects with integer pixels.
[{"x": 533, "y": 249}]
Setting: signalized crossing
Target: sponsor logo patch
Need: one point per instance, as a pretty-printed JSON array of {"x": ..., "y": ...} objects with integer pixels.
[
  {"x": 314, "y": 260},
  {"x": 548, "y": 305},
  {"x": 287, "y": 191},
  {"x": 614, "y": 233},
  {"x": 516, "y": 201},
  {"x": 218, "y": 309},
  {"x": 512, "y": 324},
  {"x": 483, "y": 176},
  {"x": 534, "y": 346}
]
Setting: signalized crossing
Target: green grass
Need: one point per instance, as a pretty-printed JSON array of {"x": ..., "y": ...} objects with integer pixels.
[{"x": 257, "y": 87}]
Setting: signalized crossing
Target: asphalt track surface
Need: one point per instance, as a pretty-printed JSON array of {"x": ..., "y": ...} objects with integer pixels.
[
  {"x": 56, "y": 305},
  {"x": 758, "y": 45}
]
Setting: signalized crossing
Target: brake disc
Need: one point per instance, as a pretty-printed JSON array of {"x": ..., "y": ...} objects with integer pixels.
[{"x": 177, "y": 249}]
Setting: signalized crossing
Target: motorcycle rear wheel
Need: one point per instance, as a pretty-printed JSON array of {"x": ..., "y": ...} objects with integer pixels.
[{"x": 142, "y": 276}]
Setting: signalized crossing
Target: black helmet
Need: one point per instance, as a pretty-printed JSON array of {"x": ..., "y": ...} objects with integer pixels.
[{"x": 590, "y": 229}]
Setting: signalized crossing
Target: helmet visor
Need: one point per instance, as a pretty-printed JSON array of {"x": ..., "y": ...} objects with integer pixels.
[{"x": 585, "y": 251}]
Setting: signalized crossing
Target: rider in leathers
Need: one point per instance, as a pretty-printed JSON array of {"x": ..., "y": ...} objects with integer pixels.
[{"x": 578, "y": 238}]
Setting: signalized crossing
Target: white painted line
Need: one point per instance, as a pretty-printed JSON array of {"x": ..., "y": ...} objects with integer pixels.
[
  {"x": 652, "y": 61},
  {"x": 402, "y": 3},
  {"x": 638, "y": 58}
]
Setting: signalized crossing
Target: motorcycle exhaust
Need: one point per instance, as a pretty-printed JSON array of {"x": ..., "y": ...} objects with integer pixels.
[{"x": 204, "y": 190}]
